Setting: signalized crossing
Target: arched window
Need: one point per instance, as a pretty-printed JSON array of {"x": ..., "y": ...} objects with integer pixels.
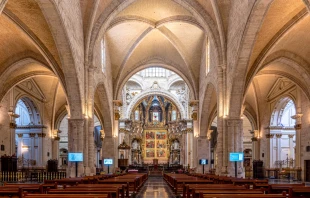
[
  {"x": 174, "y": 115},
  {"x": 207, "y": 56},
  {"x": 103, "y": 55},
  {"x": 288, "y": 112}
]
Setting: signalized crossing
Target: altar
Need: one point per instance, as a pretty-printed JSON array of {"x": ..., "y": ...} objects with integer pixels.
[{"x": 155, "y": 146}]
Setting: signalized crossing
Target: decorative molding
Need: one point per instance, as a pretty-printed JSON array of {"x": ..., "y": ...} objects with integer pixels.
[
  {"x": 31, "y": 127},
  {"x": 281, "y": 85}
]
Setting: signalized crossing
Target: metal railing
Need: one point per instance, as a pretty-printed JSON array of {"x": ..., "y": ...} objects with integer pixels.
[{"x": 23, "y": 176}]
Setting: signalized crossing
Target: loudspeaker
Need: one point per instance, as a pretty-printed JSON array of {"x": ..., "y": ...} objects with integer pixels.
[
  {"x": 263, "y": 154},
  {"x": 212, "y": 161},
  {"x": 100, "y": 162},
  {"x": 2, "y": 147}
]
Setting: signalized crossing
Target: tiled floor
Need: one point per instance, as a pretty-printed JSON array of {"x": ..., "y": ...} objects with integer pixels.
[{"x": 155, "y": 187}]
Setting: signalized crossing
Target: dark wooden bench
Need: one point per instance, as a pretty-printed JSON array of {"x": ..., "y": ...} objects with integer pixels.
[
  {"x": 189, "y": 188},
  {"x": 126, "y": 187},
  {"x": 300, "y": 192},
  {"x": 116, "y": 191},
  {"x": 279, "y": 188},
  {"x": 242, "y": 195},
  {"x": 66, "y": 196},
  {"x": 198, "y": 193}
]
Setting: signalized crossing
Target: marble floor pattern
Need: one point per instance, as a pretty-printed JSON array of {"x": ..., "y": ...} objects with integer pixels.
[{"x": 155, "y": 187}]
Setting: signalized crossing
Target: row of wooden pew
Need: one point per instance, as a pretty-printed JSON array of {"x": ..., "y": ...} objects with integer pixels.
[
  {"x": 116, "y": 186},
  {"x": 206, "y": 186}
]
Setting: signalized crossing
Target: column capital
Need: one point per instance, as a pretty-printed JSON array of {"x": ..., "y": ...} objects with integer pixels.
[
  {"x": 42, "y": 135},
  {"x": 13, "y": 115},
  {"x": 297, "y": 117},
  {"x": 20, "y": 135},
  {"x": 117, "y": 103},
  {"x": 290, "y": 136},
  {"x": 269, "y": 135},
  {"x": 32, "y": 135},
  {"x": 57, "y": 138},
  {"x": 77, "y": 122},
  {"x": 194, "y": 103},
  {"x": 233, "y": 122},
  {"x": 278, "y": 135}
]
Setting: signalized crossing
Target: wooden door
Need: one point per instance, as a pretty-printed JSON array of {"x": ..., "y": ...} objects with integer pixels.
[{"x": 307, "y": 170}]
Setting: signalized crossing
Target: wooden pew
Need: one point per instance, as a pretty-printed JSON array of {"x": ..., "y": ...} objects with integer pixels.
[
  {"x": 279, "y": 188},
  {"x": 103, "y": 186},
  {"x": 283, "y": 195},
  {"x": 189, "y": 188},
  {"x": 300, "y": 192},
  {"x": 118, "y": 191},
  {"x": 11, "y": 192},
  {"x": 66, "y": 196},
  {"x": 110, "y": 192},
  {"x": 198, "y": 193},
  {"x": 42, "y": 187}
]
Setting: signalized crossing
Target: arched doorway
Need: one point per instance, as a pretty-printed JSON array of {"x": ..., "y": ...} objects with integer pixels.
[
  {"x": 282, "y": 134},
  {"x": 29, "y": 133}
]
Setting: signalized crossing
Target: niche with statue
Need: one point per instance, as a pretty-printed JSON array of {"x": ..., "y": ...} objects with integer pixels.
[{"x": 123, "y": 155}]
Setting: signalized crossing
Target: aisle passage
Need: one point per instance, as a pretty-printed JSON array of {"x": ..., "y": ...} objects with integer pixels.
[{"x": 155, "y": 187}]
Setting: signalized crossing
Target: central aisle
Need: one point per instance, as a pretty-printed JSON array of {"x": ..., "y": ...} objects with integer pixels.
[{"x": 155, "y": 187}]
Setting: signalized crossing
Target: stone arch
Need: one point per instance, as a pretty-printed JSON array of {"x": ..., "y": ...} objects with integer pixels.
[
  {"x": 104, "y": 107},
  {"x": 149, "y": 92},
  {"x": 69, "y": 42},
  {"x": 105, "y": 19},
  {"x": 206, "y": 108},
  {"x": 147, "y": 64},
  {"x": 60, "y": 115},
  {"x": 276, "y": 114},
  {"x": 32, "y": 106},
  {"x": 251, "y": 118},
  {"x": 292, "y": 60},
  {"x": 247, "y": 43}
]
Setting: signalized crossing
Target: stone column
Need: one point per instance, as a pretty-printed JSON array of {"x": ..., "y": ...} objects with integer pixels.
[
  {"x": 297, "y": 127},
  {"x": 234, "y": 144},
  {"x": 291, "y": 144},
  {"x": 278, "y": 143},
  {"x": 117, "y": 108},
  {"x": 91, "y": 147},
  {"x": 55, "y": 151},
  {"x": 32, "y": 154},
  {"x": 195, "y": 133},
  {"x": 80, "y": 143},
  {"x": 75, "y": 144},
  {"x": 2, "y": 5},
  {"x": 256, "y": 149},
  {"x": 220, "y": 154},
  {"x": 19, "y": 147},
  {"x": 41, "y": 137},
  {"x": 13, "y": 125}
]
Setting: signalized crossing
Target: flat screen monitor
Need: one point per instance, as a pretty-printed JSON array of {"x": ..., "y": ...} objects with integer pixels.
[
  {"x": 203, "y": 161},
  {"x": 75, "y": 157},
  {"x": 108, "y": 161},
  {"x": 236, "y": 157}
]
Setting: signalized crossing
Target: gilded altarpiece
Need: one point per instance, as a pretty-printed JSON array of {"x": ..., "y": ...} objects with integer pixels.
[{"x": 155, "y": 146}]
